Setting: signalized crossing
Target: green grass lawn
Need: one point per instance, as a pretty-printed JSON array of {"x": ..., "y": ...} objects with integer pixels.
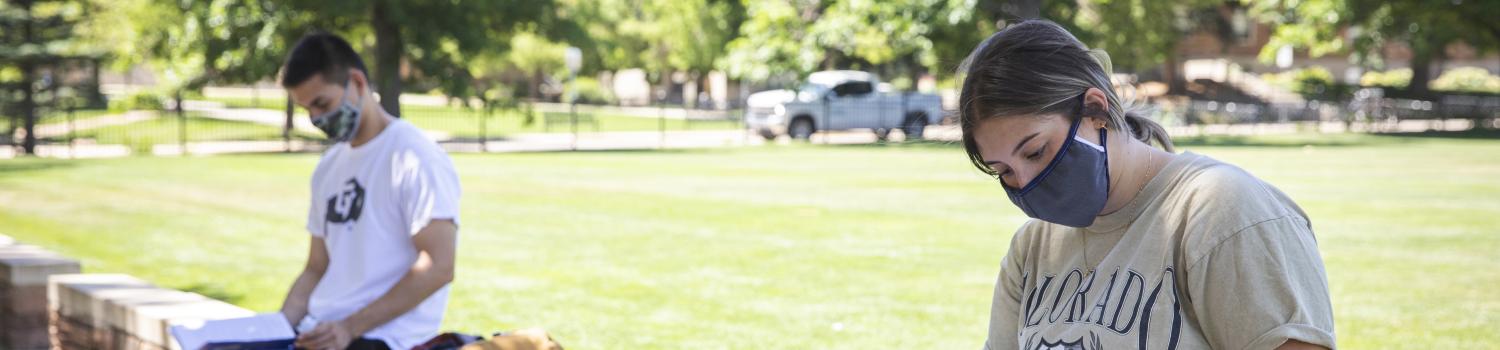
[
  {"x": 771, "y": 247},
  {"x": 79, "y": 116}
]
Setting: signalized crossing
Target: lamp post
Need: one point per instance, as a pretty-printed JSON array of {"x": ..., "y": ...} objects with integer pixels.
[{"x": 573, "y": 57}]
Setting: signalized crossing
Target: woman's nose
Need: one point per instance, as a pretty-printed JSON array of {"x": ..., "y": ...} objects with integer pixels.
[{"x": 1021, "y": 181}]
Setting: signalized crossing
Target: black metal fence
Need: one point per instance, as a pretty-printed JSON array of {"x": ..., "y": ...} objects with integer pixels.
[
  {"x": 76, "y": 132},
  {"x": 1367, "y": 108},
  {"x": 198, "y": 129}
]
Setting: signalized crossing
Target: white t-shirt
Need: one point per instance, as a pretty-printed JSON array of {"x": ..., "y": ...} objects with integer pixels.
[{"x": 367, "y": 203}]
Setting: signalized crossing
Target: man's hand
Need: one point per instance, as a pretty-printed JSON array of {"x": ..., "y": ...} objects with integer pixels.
[
  {"x": 326, "y": 336},
  {"x": 294, "y": 308}
]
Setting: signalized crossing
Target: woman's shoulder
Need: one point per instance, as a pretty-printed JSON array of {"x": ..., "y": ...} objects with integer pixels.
[
  {"x": 1211, "y": 188},
  {"x": 1217, "y": 200}
]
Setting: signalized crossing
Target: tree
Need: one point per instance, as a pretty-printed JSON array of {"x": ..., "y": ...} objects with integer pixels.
[
  {"x": 37, "y": 44},
  {"x": 435, "y": 37},
  {"x": 658, "y": 36},
  {"x": 194, "y": 43},
  {"x": 898, "y": 35},
  {"x": 1139, "y": 34},
  {"x": 537, "y": 56},
  {"x": 775, "y": 41},
  {"x": 711, "y": 25},
  {"x": 1363, "y": 28}
]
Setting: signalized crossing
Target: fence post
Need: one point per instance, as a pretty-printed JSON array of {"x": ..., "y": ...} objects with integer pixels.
[
  {"x": 181, "y": 126},
  {"x": 573, "y": 114},
  {"x": 72, "y": 134},
  {"x": 286, "y": 129},
  {"x": 484, "y": 138},
  {"x": 661, "y": 123}
]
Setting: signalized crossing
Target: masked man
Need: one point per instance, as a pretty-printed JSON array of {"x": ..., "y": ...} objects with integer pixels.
[{"x": 384, "y": 214}]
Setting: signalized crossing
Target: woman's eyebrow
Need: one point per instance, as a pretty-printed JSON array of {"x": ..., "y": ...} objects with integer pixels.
[
  {"x": 1016, "y": 150},
  {"x": 1023, "y": 142}
]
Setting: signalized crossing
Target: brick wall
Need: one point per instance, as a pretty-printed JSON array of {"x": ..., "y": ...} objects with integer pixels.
[
  {"x": 24, "y": 270},
  {"x": 112, "y": 311},
  {"x": 46, "y": 304}
]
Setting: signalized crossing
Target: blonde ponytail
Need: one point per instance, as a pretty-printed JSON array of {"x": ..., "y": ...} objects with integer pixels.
[{"x": 1147, "y": 130}]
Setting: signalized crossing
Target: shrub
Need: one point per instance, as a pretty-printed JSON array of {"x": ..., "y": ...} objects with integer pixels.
[
  {"x": 1395, "y": 78},
  {"x": 1467, "y": 79},
  {"x": 144, "y": 100},
  {"x": 589, "y": 91}
]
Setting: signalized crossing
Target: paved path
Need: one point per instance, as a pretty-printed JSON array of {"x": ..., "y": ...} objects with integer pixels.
[{"x": 62, "y": 128}]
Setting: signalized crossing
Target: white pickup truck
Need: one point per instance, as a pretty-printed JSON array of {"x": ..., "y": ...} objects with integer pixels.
[{"x": 841, "y": 100}]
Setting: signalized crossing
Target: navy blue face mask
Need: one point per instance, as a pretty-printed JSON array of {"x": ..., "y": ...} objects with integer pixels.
[{"x": 1072, "y": 190}]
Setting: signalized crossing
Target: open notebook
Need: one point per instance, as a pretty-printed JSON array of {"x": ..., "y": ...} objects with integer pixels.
[{"x": 264, "y": 331}]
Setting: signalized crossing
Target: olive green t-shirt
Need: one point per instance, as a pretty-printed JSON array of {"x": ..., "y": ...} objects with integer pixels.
[{"x": 1205, "y": 256}]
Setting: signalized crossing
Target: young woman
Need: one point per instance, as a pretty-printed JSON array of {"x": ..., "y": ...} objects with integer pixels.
[{"x": 1131, "y": 246}]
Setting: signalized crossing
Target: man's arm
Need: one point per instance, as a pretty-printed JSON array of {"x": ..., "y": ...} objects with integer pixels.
[
  {"x": 436, "y": 249},
  {"x": 294, "y": 308}
]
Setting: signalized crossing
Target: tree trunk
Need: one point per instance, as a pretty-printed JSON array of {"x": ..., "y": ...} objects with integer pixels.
[
  {"x": 95, "y": 95},
  {"x": 665, "y": 86},
  {"x": 1421, "y": 72},
  {"x": 701, "y": 90},
  {"x": 28, "y": 106},
  {"x": 1172, "y": 72},
  {"x": 286, "y": 128},
  {"x": 388, "y": 48},
  {"x": 536, "y": 85},
  {"x": 28, "y": 82}
]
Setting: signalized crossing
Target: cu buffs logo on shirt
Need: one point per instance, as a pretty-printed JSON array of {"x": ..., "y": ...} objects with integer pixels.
[
  {"x": 1093, "y": 343},
  {"x": 345, "y": 206}
]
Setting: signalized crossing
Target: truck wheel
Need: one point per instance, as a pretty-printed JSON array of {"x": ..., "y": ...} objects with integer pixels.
[
  {"x": 801, "y": 129},
  {"x": 915, "y": 124},
  {"x": 768, "y": 135},
  {"x": 882, "y": 134}
]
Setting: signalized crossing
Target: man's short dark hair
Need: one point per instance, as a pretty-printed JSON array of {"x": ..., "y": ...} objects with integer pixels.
[{"x": 324, "y": 53}]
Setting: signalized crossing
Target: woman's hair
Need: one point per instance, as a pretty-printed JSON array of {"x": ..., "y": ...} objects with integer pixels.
[{"x": 1036, "y": 67}]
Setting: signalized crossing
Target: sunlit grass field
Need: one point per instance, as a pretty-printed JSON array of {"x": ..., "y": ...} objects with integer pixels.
[{"x": 786, "y": 247}]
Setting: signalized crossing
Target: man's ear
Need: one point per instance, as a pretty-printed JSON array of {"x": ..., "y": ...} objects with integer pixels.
[{"x": 361, "y": 82}]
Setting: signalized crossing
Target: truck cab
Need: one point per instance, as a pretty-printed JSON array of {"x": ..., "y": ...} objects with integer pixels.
[{"x": 841, "y": 100}]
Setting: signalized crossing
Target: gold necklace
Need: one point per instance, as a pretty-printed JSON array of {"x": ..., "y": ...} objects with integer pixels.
[{"x": 1083, "y": 234}]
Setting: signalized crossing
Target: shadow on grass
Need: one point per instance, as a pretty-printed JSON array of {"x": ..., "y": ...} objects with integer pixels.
[
  {"x": 921, "y": 144},
  {"x": 1334, "y": 139},
  {"x": 1471, "y": 134},
  {"x": 1272, "y": 140},
  {"x": 8, "y": 166},
  {"x": 625, "y": 151},
  {"x": 1291, "y": 140}
]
